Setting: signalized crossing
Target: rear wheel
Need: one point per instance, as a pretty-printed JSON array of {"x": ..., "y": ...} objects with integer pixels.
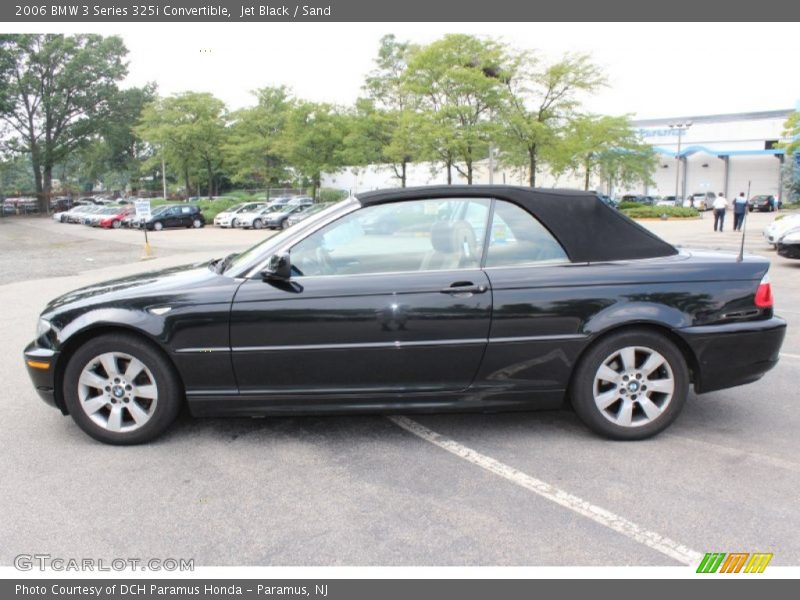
[
  {"x": 119, "y": 390},
  {"x": 116, "y": 224},
  {"x": 197, "y": 223},
  {"x": 285, "y": 224},
  {"x": 257, "y": 224},
  {"x": 630, "y": 385}
]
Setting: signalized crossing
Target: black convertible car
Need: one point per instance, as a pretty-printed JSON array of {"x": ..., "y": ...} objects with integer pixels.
[{"x": 478, "y": 298}]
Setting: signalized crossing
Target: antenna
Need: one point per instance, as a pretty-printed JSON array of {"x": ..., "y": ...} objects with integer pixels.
[{"x": 744, "y": 224}]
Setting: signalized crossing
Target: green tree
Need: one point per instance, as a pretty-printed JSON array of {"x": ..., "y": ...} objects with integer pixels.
[
  {"x": 116, "y": 156},
  {"x": 541, "y": 101},
  {"x": 607, "y": 146},
  {"x": 55, "y": 96},
  {"x": 791, "y": 130},
  {"x": 188, "y": 131},
  {"x": 313, "y": 141},
  {"x": 461, "y": 82},
  {"x": 15, "y": 175},
  {"x": 254, "y": 142},
  {"x": 388, "y": 119}
]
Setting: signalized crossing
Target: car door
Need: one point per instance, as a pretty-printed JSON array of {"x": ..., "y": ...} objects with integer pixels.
[
  {"x": 170, "y": 217},
  {"x": 368, "y": 313},
  {"x": 541, "y": 302}
]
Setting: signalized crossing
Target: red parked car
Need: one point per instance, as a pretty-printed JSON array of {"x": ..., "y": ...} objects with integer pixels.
[{"x": 114, "y": 220}]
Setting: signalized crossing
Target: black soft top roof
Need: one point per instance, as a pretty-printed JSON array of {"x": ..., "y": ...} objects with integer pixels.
[{"x": 588, "y": 229}]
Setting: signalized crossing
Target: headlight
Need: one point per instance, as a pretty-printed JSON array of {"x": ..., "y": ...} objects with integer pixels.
[{"x": 42, "y": 327}]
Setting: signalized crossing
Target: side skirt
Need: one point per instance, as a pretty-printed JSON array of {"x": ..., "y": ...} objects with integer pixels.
[{"x": 260, "y": 405}]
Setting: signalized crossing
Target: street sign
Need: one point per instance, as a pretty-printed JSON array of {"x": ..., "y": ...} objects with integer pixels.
[{"x": 142, "y": 209}]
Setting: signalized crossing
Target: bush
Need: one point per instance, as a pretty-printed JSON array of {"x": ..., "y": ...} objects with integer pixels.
[
  {"x": 656, "y": 212},
  {"x": 625, "y": 205},
  {"x": 211, "y": 208},
  {"x": 332, "y": 195}
]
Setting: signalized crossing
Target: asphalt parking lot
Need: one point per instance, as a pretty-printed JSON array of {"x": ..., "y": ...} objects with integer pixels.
[{"x": 500, "y": 489}]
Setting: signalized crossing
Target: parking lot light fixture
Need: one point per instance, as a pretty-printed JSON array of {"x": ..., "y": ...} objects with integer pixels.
[{"x": 680, "y": 127}]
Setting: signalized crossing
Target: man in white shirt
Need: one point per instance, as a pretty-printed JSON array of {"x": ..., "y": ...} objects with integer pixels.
[{"x": 720, "y": 206}]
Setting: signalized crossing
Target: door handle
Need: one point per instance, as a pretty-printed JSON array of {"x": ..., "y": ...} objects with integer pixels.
[{"x": 464, "y": 287}]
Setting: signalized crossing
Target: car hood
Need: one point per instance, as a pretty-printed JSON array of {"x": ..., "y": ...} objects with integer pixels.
[{"x": 174, "y": 286}]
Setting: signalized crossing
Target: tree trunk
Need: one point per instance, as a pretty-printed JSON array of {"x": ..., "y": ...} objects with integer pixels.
[
  {"x": 449, "y": 164},
  {"x": 47, "y": 189},
  {"x": 37, "y": 178},
  {"x": 186, "y": 182},
  {"x": 586, "y": 179},
  {"x": 403, "y": 171},
  {"x": 315, "y": 186},
  {"x": 210, "y": 180},
  {"x": 532, "y": 158},
  {"x": 469, "y": 172}
]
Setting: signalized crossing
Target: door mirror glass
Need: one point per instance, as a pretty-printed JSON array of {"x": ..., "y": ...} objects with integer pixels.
[{"x": 279, "y": 268}]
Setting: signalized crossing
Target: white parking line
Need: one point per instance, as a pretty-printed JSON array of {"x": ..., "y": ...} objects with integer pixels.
[
  {"x": 599, "y": 515},
  {"x": 785, "y": 355}
]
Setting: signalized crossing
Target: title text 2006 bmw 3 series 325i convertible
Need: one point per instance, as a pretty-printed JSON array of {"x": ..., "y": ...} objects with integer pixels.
[{"x": 418, "y": 300}]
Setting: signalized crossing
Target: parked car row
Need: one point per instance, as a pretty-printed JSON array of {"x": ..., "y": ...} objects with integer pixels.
[
  {"x": 116, "y": 216},
  {"x": 783, "y": 234},
  {"x": 279, "y": 213},
  {"x": 95, "y": 215},
  {"x": 274, "y": 214}
]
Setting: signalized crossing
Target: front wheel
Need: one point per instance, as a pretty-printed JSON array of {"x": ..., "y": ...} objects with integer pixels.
[
  {"x": 120, "y": 390},
  {"x": 158, "y": 226},
  {"x": 257, "y": 224},
  {"x": 631, "y": 385}
]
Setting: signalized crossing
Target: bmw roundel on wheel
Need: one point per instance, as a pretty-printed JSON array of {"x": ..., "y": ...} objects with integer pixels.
[{"x": 447, "y": 298}]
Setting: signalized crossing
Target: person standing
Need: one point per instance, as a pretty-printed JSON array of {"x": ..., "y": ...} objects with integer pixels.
[
  {"x": 720, "y": 206},
  {"x": 739, "y": 210}
]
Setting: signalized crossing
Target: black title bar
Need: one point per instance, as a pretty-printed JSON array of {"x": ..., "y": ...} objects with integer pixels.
[{"x": 238, "y": 11}]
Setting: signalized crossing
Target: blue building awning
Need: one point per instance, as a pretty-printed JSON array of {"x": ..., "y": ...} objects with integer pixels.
[{"x": 689, "y": 150}]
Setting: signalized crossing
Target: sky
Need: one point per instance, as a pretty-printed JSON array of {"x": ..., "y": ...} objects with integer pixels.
[{"x": 654, "y": 69}]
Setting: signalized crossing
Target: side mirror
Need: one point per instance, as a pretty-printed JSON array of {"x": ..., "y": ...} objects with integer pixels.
[{"x": 279, "y": 268}]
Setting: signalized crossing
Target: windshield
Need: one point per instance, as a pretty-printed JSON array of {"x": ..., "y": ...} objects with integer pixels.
[{"x": 250, "y": 257}]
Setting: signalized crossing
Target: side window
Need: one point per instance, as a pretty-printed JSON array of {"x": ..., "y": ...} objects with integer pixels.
[
  {"x": 517, "y": 238},
  {"x": 420, "y": 235},
  {"x": 186, "y": 210}
]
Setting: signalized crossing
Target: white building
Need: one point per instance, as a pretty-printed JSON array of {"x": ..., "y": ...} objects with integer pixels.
[{"x": 718, "y": 153}]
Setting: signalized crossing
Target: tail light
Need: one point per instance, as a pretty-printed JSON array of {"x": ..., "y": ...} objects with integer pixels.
[{"x": 764, "y": 297}]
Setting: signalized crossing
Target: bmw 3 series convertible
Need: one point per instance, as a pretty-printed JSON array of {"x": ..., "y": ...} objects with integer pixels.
[{"x": 476, "y": 298}]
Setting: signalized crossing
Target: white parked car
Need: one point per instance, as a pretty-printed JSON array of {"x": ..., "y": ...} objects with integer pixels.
[
  {"x": 776, "y": 230},
  {"x": 256, "y": 219},
  {"x": 229, "y": 218}
]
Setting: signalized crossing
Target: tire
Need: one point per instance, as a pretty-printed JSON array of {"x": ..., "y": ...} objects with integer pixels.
[
  {"x": 603, "y": 379},
  {"x": 257, "y": 224},
  {"x": 110, "y": 411},
  {"x": 234, "y": 223},
  {"x": 285, "y": 224},
  {"x": 116, "y": 224},
  {"x": 197, "y": 223},
  {"x": 158, "y": 226}
]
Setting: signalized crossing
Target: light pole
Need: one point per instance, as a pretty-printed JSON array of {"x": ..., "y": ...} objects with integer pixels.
[{"x": 680, "y": 128}]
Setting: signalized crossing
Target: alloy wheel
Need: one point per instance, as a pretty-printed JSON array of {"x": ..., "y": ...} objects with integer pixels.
[
  {"x": 118, "y": 392},
  {"x": 633, "y": 386}
]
